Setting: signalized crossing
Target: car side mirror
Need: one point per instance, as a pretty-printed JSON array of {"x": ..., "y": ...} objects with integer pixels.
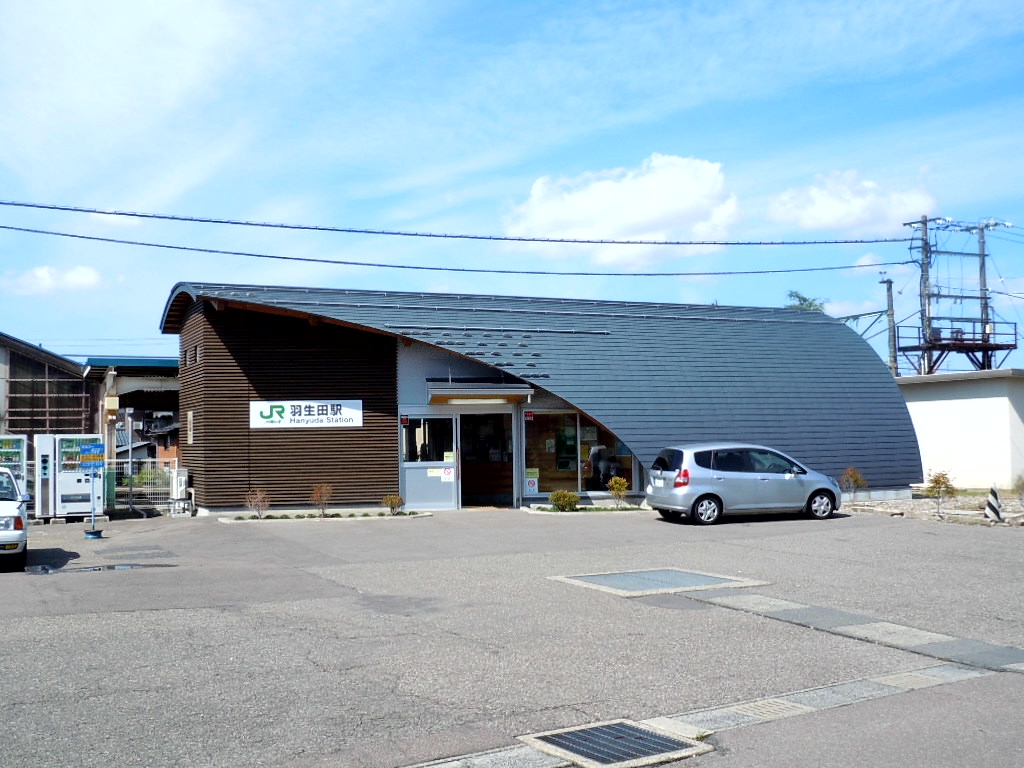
[
  {"x": 799, "y": 471},
  {"x": 24, "y": 498}
]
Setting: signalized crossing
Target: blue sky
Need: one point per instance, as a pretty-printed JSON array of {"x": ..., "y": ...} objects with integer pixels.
[{"x": 722, "y": 121}]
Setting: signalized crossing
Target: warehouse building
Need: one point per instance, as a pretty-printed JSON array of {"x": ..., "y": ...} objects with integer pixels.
[{"x": 462, "y": 400}]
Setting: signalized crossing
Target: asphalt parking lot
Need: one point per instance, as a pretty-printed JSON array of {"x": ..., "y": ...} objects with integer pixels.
[{"x": 394, "y": 642}]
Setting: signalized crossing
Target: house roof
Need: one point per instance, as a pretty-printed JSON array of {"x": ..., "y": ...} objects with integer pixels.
[
  {"x": 654, "y": 374},
  {"x": 42, "y": 355},
  {"x": 161, "y": 367}
]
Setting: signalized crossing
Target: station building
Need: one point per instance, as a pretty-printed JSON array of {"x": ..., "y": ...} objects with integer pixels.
[{"x": 465, "y": 400}]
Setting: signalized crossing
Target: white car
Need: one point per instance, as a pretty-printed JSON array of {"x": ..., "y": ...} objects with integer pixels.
[{"x": 13, "y": 523}]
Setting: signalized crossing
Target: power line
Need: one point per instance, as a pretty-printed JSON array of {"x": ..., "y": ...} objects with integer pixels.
[
  {"x": 378, "y": 265},
  {"x": 400, "y": 233}
]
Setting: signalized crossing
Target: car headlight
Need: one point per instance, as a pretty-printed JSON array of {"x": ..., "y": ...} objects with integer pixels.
[{"x": 12, "y": 524}]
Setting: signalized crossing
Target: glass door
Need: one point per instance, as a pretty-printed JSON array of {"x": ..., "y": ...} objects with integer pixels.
[{"x": 429, "y": 463}]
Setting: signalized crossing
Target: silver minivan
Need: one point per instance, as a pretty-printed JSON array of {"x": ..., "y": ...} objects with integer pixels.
[{"x": 705, "y": 481}]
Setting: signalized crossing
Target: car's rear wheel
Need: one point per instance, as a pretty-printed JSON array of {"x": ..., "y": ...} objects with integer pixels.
[
  {"x": 707, "y": 510},
  {"x": 821, "y": 505},
  {"x": 670, "y": 515}
]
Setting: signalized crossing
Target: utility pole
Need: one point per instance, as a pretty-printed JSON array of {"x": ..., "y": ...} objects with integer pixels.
[
  {"x": 986, "y": 330},
  {"x": 891, "y": 315},
  {"x": 926, "y": 292}
]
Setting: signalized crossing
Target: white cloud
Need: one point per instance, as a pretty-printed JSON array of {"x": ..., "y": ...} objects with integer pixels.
[
  {"x": 666, "y": 198},
  {"x": 842, "y": 201},
  {"x": 47, "y": 279}
]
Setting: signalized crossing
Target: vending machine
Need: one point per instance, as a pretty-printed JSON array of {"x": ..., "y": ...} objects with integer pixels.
[
  {"x": 14, "y": 456},
  {"x": 68, "y": 481}
]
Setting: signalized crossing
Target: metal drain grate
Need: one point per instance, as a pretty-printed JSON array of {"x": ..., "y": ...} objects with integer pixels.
[{"x": 615, "y": 744}]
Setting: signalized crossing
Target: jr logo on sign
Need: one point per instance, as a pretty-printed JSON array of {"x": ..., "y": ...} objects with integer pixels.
[{"x": 276, "y": 412}]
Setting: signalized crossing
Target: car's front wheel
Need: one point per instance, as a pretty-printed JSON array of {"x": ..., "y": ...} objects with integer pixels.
[
  {"x": 821, "y": 505},
  {"x": 707, "y": 510}
]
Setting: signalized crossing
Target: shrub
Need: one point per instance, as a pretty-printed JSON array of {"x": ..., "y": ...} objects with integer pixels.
[
  {"x": 258, "y": 501},
  {"x": 393, "y": 502},
  {"x": 852, "y": 480},
  {"x": 146, "y": 477},
  {"x": 564, "y": 501},
  {"x": 617, "y": 487},
  {"x": 940, "y": 485},
  {"x": 321, "y": 497}
]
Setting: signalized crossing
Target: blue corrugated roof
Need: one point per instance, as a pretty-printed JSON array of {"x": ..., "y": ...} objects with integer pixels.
[
  {"x": 654, "y": 374},
  {"x": 134, "y": 362}
]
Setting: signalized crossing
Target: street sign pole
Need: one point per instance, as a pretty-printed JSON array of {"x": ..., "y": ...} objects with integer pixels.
[{"x": 92, "y": 456}]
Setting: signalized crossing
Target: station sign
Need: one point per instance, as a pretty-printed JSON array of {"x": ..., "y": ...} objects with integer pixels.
[{"x": 281, "y": 414}]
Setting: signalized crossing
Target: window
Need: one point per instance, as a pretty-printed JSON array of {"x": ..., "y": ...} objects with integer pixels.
[
  {"x": 669, "y": 460},
  {"x": 770, "y": 463},
  {"x": 731, "y": 461},
  {"x": 428, "y": 440},
  {"x": 552, "y": 451},
  {"x": 569, "y": 451}
]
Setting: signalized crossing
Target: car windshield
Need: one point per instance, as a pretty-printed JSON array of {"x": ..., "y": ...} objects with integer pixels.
[{"x": 7, "y": 489}]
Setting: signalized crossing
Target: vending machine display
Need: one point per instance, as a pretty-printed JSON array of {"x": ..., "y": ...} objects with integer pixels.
[
  {"x": 68, "y": 482},
  {"x": 14, "y": 456}
]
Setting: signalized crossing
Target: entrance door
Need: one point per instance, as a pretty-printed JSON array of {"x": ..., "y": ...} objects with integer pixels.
[
  {"x": 485, "y": 442},
  {"x": 429, "y": 468}
]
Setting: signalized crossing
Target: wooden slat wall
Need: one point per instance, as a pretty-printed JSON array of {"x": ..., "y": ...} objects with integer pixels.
[{"x": 230, "y": 357}]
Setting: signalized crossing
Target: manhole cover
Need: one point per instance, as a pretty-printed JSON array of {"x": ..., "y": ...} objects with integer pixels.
[
  {"x": 657, "y": 581},
  {"x": 617, "y": 743}
]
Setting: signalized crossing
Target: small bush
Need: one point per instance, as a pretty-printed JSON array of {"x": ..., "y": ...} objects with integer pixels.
[
  {"x": 940, "y": 485},
  {"x": 564, "y": 501},
  {"x": 852, "y": 480},
  {"x": 321, "y": 497},
  {"x": 258, "y": 501},
  {"x": 393, "y": 502},
  {"x": 617, "y": 487}
]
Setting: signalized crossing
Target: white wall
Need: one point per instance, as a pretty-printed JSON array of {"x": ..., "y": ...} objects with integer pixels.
[
  {"x": 969, "y": 425},
  {"x": 418, "y": 362}
]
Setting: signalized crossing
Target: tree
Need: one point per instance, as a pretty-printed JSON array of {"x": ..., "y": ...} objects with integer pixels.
[{"x": 799, "y": 301}]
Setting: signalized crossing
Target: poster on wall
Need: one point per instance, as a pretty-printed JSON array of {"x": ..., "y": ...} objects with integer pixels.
[{"x": 278, "y": 414}]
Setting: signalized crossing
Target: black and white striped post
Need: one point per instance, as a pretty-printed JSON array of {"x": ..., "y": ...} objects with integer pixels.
[{"x": 993, "y": 509}]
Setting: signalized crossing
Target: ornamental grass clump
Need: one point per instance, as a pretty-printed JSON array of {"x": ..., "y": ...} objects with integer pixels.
[
  {"x": 394, "y": 502},
  {"x": 852, "y": 480}
]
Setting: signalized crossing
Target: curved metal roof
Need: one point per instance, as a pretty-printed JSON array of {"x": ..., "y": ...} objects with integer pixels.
[{"x": 654, "y": 374}]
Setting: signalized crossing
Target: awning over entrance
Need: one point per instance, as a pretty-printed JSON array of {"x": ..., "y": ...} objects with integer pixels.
[{"x": 477, "y": 392}]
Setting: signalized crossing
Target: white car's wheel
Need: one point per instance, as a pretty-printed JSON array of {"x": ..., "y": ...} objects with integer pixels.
[
  {"x": 707, "y": 510},
  {"x": 821, "y": 505}
]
